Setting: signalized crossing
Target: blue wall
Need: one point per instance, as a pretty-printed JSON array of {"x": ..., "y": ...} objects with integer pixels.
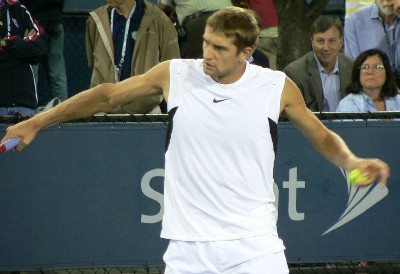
[{"x": 90, "y": 195}]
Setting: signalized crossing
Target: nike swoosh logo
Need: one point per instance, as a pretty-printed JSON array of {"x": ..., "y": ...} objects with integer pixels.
[{"x": 219, "y": 101}]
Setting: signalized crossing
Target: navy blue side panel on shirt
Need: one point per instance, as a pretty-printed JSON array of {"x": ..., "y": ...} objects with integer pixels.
[
  {"x": 273, "y": 130},
  {"x": 171, "y": 115}
]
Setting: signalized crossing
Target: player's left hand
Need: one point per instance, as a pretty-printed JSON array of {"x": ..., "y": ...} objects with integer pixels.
[{"x": 375, "y": 170}]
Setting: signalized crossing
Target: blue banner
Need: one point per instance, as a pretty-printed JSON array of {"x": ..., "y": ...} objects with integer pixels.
[{"x": 90, "y": 195}]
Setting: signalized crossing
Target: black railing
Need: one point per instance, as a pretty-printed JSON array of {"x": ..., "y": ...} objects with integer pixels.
[{"x": 163, "y": 118}]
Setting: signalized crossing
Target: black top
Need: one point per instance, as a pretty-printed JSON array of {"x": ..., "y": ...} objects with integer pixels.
[{"x": 46, "y": 11}]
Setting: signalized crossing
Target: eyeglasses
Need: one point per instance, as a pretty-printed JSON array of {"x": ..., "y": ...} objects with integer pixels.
[{"x": 374, "y": 68}]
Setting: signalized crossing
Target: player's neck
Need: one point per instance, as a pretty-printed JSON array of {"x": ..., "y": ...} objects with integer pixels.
[
  {"x": 126, "y": 7},
  {"x": 232, "y": 77}
]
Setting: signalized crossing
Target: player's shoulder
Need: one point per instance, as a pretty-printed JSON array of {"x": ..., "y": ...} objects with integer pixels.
[
  {"x": 178, "y": 65},
  {"x": 187, "y": 62},
  {"x": 265, "y": 73}
]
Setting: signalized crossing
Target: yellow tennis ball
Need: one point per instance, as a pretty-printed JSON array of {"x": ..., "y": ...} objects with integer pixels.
[{"x": 356, "y": 176}]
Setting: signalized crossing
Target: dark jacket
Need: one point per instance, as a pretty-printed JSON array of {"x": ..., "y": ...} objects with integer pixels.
[
  {"x": 46, "y": 11},
  {"x": 304, "y": 72},
  {"x": 17, "y": 86}
]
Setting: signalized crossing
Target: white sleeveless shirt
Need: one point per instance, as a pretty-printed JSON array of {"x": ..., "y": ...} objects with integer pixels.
[{"x": 220, "y": 154}]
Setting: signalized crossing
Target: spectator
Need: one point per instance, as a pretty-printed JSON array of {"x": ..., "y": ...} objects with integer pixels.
[
  {"x": 21, "y": 44},
  {"x": 377, "y": 26},
  {"x": 49, "y": 14},
  {"x": 192, "y": 16},
  {"x": 323, "y": 74},
  {"x": 268, "y": 43},
  {"x": 126, "y": 38},
  {"x": 258, "y": 58},
  {"x": 373, "y": 87}
]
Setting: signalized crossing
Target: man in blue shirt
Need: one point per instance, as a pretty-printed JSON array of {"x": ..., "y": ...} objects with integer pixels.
[{"x": 377, "y": 26}]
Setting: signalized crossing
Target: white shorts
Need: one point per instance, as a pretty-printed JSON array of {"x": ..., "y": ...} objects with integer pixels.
[{"x": 241, "y": 256}]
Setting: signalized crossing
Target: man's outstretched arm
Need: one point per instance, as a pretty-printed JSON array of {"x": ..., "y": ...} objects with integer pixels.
[
  {"x": 325, "y": 141},
  {"x": 103, "y": 98}
]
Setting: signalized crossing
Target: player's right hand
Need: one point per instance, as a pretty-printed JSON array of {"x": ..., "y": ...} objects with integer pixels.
[{"x": 24, "y": 131}]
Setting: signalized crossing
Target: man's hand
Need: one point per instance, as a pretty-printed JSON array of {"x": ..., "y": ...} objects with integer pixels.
[
  {"x": 374, "y": 170},
  {"x": 29, "y": 33},
  {"x": 24, "y": 131}
]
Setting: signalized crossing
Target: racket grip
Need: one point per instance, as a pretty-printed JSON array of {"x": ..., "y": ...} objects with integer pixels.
[{"x": 8, "y": 144}]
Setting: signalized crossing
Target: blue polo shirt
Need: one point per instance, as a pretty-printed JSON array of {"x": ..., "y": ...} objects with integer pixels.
[
  {"x": 360, "y": 102},
  {"x": 119, "y": 24}
]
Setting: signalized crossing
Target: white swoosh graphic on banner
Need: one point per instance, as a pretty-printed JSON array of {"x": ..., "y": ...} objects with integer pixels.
[{"x": 359, "y": 201}]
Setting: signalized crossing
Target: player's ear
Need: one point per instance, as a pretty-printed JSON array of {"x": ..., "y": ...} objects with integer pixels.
[{"x": 247, "y": 52}]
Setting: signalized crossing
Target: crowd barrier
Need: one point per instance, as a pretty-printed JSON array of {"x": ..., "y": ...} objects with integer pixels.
[{"x": 90, "y": 194}]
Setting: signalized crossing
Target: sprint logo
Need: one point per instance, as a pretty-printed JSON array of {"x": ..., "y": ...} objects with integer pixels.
[{"x": 359, "y": 201}]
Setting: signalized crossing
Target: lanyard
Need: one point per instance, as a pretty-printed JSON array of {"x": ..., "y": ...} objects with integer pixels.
[
  {"x": 391, "y": 44},
  {"x": 128, "y": 22}
]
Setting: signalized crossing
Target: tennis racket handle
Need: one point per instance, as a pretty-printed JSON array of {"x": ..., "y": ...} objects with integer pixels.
[{"x": 8, "y": 144}]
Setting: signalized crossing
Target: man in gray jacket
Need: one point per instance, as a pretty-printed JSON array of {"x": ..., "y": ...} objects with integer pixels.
[{"x": 324, "y": 73}]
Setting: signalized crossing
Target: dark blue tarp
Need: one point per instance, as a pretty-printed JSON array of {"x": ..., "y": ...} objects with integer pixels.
[{"x": 90, "y": 195}]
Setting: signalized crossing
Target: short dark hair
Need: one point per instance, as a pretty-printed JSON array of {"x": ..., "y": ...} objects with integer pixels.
[
  {"x": 389, "y": 88},
  {"x": 237, "y": 23},
  {"x": 323, "y": 23}
]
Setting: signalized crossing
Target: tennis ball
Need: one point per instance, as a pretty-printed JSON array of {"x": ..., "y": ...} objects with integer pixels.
[{"x": 356, "y": 176}]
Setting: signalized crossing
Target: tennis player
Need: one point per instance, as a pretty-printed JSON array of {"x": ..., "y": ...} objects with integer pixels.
[{"x": 219, "y": 213}]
